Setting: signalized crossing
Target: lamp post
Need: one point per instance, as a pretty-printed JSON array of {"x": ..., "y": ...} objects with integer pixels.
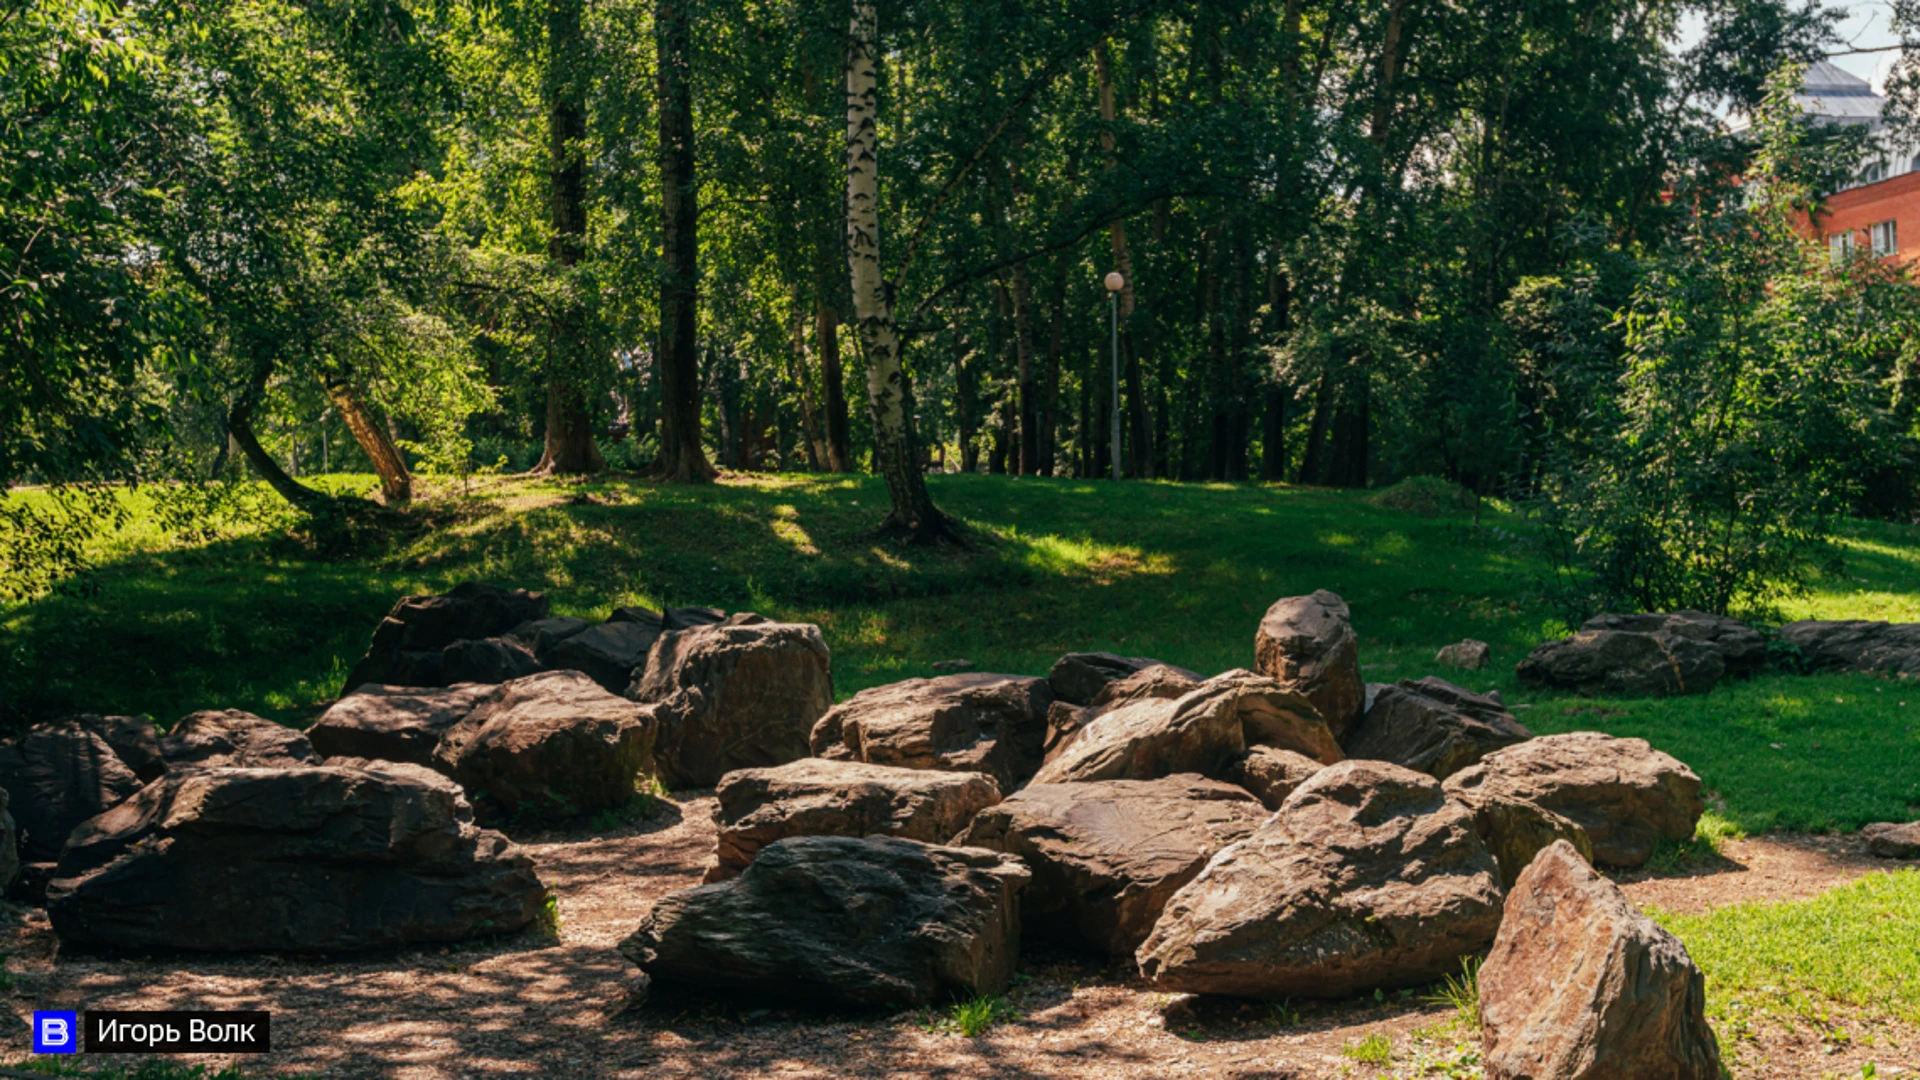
[{"x": 1114, "y": 284}]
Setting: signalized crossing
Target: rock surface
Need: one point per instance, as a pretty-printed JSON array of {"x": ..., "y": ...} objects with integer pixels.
[
  {"x": 230, "y": 738},
  {"x": 1270, "y": 774},
  {"x": 739, "y": 694},
  {"x": 827, "y": 919},
  {"x": 1893, "y": 841},
  {"x": 609, "y": 654},
  {"x": 555, "y": 742},
  {"x": 394, "y": 723},
  {"x": 815, "y": 797},
  {"x": 134, "y": 740},
  {"x": 1581, "y": 986},
  {"x": 972, "y": 722},
  {"x": 407, "y": 644},
  {"x": 486, "y": 660},
  {"x": 1195, "y": 733},
  {"x": 9, "y": 844},
  {"x": 1273, "y": 715},
  {"x": 1742, "y": 649},
  {"x": 1065, "y": 719},
  {"x": 1107, "y": 855},
  {"x": 1308, "y": 644},
  {"x": 1624, "y": 663},
  {"x": 56, "y": 776},
  {"x": 1078, "y": 678},
  {"x": 542, "y": 636},
  {"x": 1468, "y": 653},
  {"x": 1856, "y": 645},
  {"x": 1625, "y": 795},
  {"x": 1432, "y": 726},
  {"x": 302, "y": 859},
  {"x": 1367, "y": 876}
]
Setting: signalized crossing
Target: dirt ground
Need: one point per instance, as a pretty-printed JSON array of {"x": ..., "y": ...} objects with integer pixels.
[{"x": 530, "y": 1007}]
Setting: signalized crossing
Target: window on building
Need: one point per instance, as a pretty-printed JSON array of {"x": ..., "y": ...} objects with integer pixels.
[
  {"x": 1873, "y": 173},
  {"x": 1916, "y": 163},
  {"x": 1840, "y": 247},
  {"x": 1886, "y": 239}
]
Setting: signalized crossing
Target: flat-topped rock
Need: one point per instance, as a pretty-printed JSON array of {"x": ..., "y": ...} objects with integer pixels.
[
  {"x": 555, "y": 742},
  {"x": 1308, "y": 644},
  {"x": 970, "y": 722},
  {"x": 873, "y": 922},
  {"x": 1856, "y": 645},
  {"x": 1065, "y": 719},
  {"x": 1742, "y": 649},
  {"x": 1624, "y": 664},
  {"x": 816, "y": 797},
  {"x": 394, "y": 723},
  {"x": 486, "y": 660},
  {"x": 1107, "y": 855},
  {"x": 230, "y": 738},
  {"x": 1432, "y": 726}
]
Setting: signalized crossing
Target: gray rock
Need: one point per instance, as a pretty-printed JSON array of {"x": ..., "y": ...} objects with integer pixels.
[
  {"x": 1624, "y": 794},
  {"x": 1078, "y": 678},
  {"x": 1893, "y": 841},
  {"x": 1432, "y": 726},
  {"x": 555, "y": 742},
  {"x": 1624, "y": 663},
  {"x": 1366, "y": 877},
  {"x": 394, "y": 723},
  {"x": 1308, "y": 644},
  {"x": 542, "y": 636},
  {"x": 487, "y": 660},
  {"x": 815, "y": 797},
  {"x": 134, "y": 740},
  {"x": 56, "y": 776},
  {"x": 1581, "y": 985},
  {"x": 407, "y": 644},
  {"x": 1467, "y": 653},
  {"x": 686, "y": 618},
  {"x": 739, "y": 694},
  {"x": 973, "y": 722},
  {"x": 1270, "y": 774},
  {"x": 1107, "y": 855},
  {"x": 609, "y": 654},
  {"x": 872, "y": 922},
  {"x": 1857, "y": 645},
  {"x": 218, "y": 738},
  {"x": 1742, "y": 649},
  {"x": 301, "y": 859}
]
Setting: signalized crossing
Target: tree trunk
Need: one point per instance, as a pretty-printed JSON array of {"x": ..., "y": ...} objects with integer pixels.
[
  {"x": 396, "y": 484},
  {"x": 569, "y": 435},
  {"x": 240, "y": 428},
  {"x": 802, "y": 379},
  {"x": 1313, "y": 465},
  {"x": 963, "y": 415},
  {"x": 1027, "y": 393},
  {"x": 1050, "y": 388},
  {"x": 1141, "y": 456},
  {"x": 913, "y": 514},
  {"x": 826, "y": 329},
  {"x": 1273, "y": 433},
  {"x": 683, "y": 460}
]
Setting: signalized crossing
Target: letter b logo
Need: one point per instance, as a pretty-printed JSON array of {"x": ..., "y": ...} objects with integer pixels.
[{"x": 56, "y": 1033}]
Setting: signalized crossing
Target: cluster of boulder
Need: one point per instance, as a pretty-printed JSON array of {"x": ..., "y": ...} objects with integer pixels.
[{"x": 1286, "y": 831}]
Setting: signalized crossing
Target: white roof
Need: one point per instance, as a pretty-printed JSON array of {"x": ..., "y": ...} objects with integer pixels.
[{"x": 1831, "y": 93}]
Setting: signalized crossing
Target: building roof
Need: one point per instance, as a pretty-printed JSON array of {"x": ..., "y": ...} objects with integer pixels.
[{"x": 1832, "y": 93}]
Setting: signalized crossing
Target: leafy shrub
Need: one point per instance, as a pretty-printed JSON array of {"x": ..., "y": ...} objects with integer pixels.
[{"x": 1428, "y": 496}]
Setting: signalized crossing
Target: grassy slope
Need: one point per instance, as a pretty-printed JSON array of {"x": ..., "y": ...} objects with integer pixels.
[{"x": 1181, "y": 572}]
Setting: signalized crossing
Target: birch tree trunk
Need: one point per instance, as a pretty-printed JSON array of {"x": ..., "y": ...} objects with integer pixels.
[
  {"x": 683, "y": 460},
  {"x": 913, "y": 515}
]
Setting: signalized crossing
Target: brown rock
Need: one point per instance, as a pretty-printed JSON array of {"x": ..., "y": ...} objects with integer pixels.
[
  {"x": 1308, "y": 644},
  {"x": 1581, "y": 986},
  {"x": 1893, "y": 841},
  {"x": 223, "y": 738},
  {"x": 815, "y": 797},
  {"x": 1624, "y": 663},
  {"x": 1107, "y": 855},
  {"x": 1856, "y": 645},
  {"x": 1367, "y": 876},
  {"x": 974, "y": 722},
  {"x": 609, "y": 654},
  {"x": 836, "y": 920},
  {"x": 1270, "y": 774},
  {"x": 1065, "y": 720},
  {"x": 1432, "y": 726},
  {"x": 486, "y": 660},
  {"x": 394, "y": 723},
  {"x": 1197, "y": 733},
  {"x": 554, "y": 741},
  {"x": 1064, "y": 723},
  {"x": 56, "y": 776},
  {"x": 134, "y": 740},
  {"x": 1742, "y": 649},
  {"x": 301, "y": 859},
  {"x": 1273, "y": 715},
  {"x": 1625, "y": 795},
  {"x": 1515, "y": 832},
  {"x": 738, "y": 694},
  {"x": 1467, "y": 653},
  {"x": 1078, "y": 678},
  {"x": 542, "y": 636},
  {"x": 407, "y": 644}
]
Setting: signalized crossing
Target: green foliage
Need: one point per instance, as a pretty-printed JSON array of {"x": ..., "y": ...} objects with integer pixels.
[
  {"x": 1375, "y": 1049},
  {"x": 1427, "y": 496},
  {"x": 972, "y": 1018},
  {"x": 1461, "y": 993},
  {"x": 1702, "y": 849},
  {"x": 547, "y": 923},
  {"x": 648, "y": 792}
]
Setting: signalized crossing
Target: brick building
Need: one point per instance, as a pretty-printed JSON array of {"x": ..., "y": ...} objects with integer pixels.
[{"x": 1880, "y": 212}]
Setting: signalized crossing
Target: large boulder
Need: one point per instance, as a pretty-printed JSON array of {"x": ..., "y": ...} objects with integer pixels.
[
  {"x": 1368, "y": 876},
  {"x": 1625, "y": 795},
  {"x": 223, "y": 738},
  {"x": 1581, "y": 986},
  {"x": 1079, "y": 678},
  {"x": 739, "y": 694},
  {"x": 609, "y": 654},
  {"x": 1270, "y": 774},
  {"x": 1272, "y": 714},
  {"x": 1890, "y": 840},
  {"x": 1516, "y": 832},
  {"x": 554, "y": 742},
  {"x": 1198, "y": 732},
  {"x": 1624, "y": 663},
  {"x": 1856, "y": 645},
  {"x": 816, "y": 797},
  {"x": 1065, "y": 720},
  {"x": 394, "y": 723},
  {"x": 542, "y": 636},
  {"x": 56, "y": 776},
  {"x": 1107, "y": 855},
  {"x": 486, "y": 660},
  {"x": 1742, "y": 649},
  {"x": 407, "y": 645},
  {"x": 1308, "y": 643},
  {"x": 972, "y": 722},
  {"x": 134, "y": 739},
  {"x": 302, "y": 859},
  {"x": 873, "y": 922},
  {"x": 1432, "y": 726}
]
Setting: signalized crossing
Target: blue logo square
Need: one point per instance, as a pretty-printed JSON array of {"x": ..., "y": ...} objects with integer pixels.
[{"x": 56, "y": 1032}]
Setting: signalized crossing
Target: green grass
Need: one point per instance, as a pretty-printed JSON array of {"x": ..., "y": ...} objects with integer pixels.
[
  {"x": 1854, "y": 945},
  {"x": 1183, "y": 572},
  {"x": 972, "y": 1018},
  {"x": 1461, "y": 993},
  {"x": 1375, "y": 1049}
]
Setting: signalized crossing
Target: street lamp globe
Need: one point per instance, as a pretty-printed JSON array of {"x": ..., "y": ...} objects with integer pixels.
[{"x": 1115, "y": 282}]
